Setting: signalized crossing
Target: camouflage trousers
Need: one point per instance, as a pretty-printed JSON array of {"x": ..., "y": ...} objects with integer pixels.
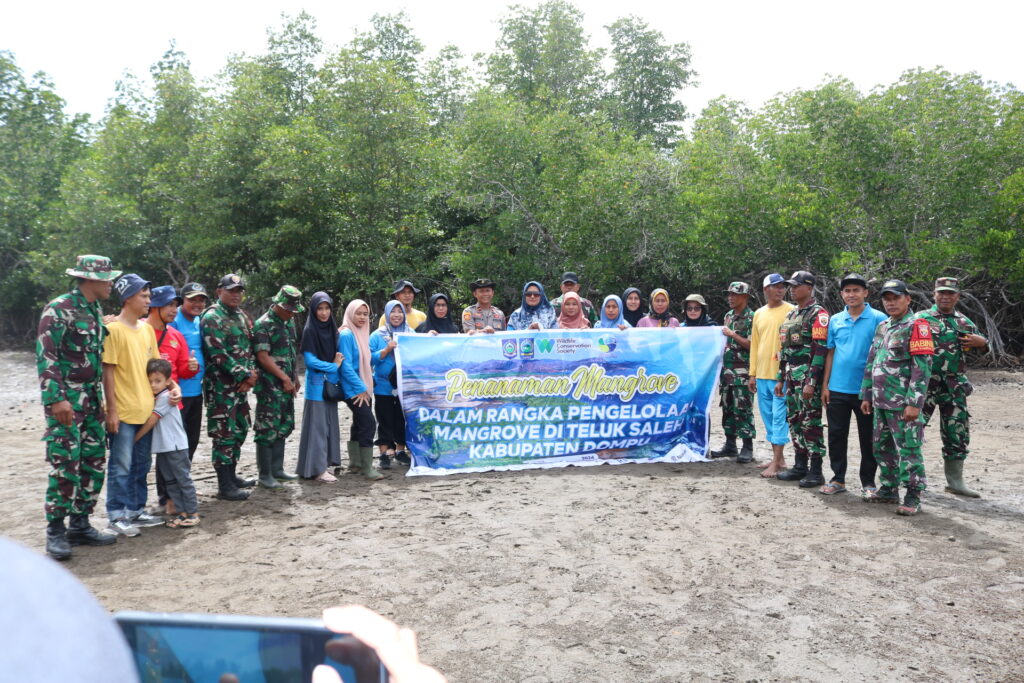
[
  {"x": 227, "y": 422},
  {"x": 954, "y": 423},
  {"x": 737, "y": 410},
  {"x": 275, "y": 416},
  {"x": 77, "y": 455},
  {"x": 898, "y": 450},
  {"x": 805, "y": 426}
]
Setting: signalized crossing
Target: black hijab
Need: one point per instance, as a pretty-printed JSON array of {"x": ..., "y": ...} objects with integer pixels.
[
  {"x": 320, "y": 339},
  {"x": 440, "y": 325},
  {"x": 632, "y": 317}
]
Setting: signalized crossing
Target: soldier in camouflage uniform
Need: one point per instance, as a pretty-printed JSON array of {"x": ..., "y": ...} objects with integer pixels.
[
  {"x": 954, "y": 333},
  {"x": 69, "y": 362},
  {"x": 230, "y": 375},
  {"x": 894, "y": 388},
  {"x": 276, "y": 344},
  {"x": 801, "y": 373},
  {"x": 737, "y": 400}
]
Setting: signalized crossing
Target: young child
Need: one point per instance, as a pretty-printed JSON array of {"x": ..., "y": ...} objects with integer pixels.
[{"x": 171, "y": 446}]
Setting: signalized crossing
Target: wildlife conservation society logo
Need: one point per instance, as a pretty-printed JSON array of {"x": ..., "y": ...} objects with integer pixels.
[{"x": 606, "y": 344}]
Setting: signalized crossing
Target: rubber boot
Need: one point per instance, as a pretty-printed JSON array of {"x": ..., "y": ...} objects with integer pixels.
[
  {"x": 264, "y": 454},
  {"x": 239, "y": 481},
  {"x": 277, "y": 462},
  {"x": 813, "y": 477},
  {"x": 368, "y": 470},
  {"x": 955, "y": 479},
  {"x": 354, "y": 457},
  {"x": 226, "y": 487},
  {"x": 796, "y": 472},
  {"x": 80, "y": 532},
  {"x": 726, "y": 451},
  {"x": 57, "y": 545},
  {"x": 747, "y": 452}
]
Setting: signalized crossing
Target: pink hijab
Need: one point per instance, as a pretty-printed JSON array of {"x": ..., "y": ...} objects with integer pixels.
[
  {"x": 578, "y": 321},
  {"x": 362, "y": 335}
]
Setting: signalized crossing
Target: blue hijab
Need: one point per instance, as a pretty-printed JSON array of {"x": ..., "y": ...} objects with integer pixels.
[
  {"x": 390, "y": 330},
  {"x": 605, "y": 321},
  {"x": 531, "y": 310}
]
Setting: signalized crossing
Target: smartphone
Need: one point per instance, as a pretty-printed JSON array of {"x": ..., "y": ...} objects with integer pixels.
[{"x": 207, "y": 648}]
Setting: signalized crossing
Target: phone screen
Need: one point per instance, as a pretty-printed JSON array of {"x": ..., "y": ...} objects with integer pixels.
[{"x": 198, "y": 648}]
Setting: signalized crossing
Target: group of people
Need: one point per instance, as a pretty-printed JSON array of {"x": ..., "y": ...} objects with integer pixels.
[{"x": 136, "y": 384}]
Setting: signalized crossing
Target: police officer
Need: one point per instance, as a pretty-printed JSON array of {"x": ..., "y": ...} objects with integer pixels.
[
  {"x": 68, "y": 359},
  {"x": 893, "y": 392},
  {"x": 482, "y": 317},
  {"x": 737, "y": 400},
  {"x": 276, "y": 344},
  {"x": 230, "y": 375},
  {"x": 954, "y": 334},
  {"x": 801, "y": 373}
]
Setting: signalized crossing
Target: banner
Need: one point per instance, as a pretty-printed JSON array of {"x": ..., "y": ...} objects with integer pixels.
[{"x": 550, "y": 398}]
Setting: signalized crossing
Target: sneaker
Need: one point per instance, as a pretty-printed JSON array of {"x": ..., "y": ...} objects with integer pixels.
[
  {"x": 884, "y": 495},
  {"x": 403, "y": 457},
  {"x": 144, "y": 519},
  {"x": 124, "y": 527},
  {"x": 910, "y": 507},
  {"x": 385, "y": 461}
]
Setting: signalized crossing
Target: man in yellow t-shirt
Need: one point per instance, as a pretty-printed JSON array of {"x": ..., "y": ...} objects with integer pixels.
[
  {"x": 764, "y": 366},
  {"x": 129, "y": 345},
  {"x": 404, "y": 292}
]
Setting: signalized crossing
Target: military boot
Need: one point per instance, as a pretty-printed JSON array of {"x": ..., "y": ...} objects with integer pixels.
[
  {"x": 83, "y": 533},
  {"x": 726, "y": 451},
  {"x": 796, "y": 472},
  {"x": 955, "y": 479},
  {"x": 354, "y": 457},
  {"x": 277, "y": 462},
  {"x": 746, "y": 453},
  {"x": 226, "y": 487},
  {"x": 366, "y": 459},
  {"x": 57, "y": 545},
  {"x": 264, "y": 454},
  {"x": 813, "y": 477}
]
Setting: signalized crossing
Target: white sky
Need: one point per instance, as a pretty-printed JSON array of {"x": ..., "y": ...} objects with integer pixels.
[{"x": 745, "y": 49}]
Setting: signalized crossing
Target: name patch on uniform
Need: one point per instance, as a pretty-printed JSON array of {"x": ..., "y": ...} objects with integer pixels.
[
  {"x": 819, "y": 330},
  {"x": 921, "y": 342}
]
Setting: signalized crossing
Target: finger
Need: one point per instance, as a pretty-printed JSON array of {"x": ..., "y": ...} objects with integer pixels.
[{"x": 325, "y": 674}]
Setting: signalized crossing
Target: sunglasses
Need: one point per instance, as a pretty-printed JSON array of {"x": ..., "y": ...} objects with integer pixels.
[{"x": 532, "y": 294}]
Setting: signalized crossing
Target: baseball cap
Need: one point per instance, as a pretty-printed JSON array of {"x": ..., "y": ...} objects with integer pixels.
[
  {"x": 161, "y": 296},
  {"x": 738, "y": 288},
  {"x": 570, "y": 277},
  {"x": 231, "y": 281},
  {"x": 853, "y": 279},
  {"x": 947, "y": 284},
  {"x": 289, "y": 298},
  {"x": 93, "y": 267},
  {"x": 481, "y": 283},
  {"x": 192, "y": 289},
  {"x": 894, "y": 287},
  {"x": 402, "y": 284},
  {"x": 129, "y": 285},
  {"x": 772, "y": 279},
  {"x": 802, "y": 277}
]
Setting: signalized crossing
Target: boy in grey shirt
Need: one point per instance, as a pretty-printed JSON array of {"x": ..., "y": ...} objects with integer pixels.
[{"x": 170, "y": 444}]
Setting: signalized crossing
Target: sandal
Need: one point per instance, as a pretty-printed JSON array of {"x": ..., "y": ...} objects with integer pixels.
[
  {"x": 326, "y": 476},
  {"x": 832, "y": 488},
  {"x": 180, "y": 521},
  {"x": 191, "y": 520}
]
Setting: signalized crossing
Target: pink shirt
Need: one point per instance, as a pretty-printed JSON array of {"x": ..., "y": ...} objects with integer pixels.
[{"x": 648, "y": 321}]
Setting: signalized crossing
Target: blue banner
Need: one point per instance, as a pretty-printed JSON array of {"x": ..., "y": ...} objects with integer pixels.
[{"x": 550, "y": 398}]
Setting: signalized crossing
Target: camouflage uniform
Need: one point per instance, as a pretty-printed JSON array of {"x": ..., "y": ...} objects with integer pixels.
[
  {"x": 275, "y": 409},
  {"x": 802, "y": 361},
  {"x": 896, "y": 375},
  {"x": 949, "y": 386},
  {"x": 227, "y": 345},
  {"x": 737, "y": 400},
  {"x": 68, "y": 359},
  {"x": 475, "y": 319}
]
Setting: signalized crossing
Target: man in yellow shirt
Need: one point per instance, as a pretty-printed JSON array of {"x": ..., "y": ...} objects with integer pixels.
[
  {"x": 764, "y": 367},
  {"x": 404, "y": 292}
]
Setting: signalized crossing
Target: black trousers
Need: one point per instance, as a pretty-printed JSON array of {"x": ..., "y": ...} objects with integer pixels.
[
  {"x": 192, "y": 419},
  {"x": 363, "y": 424},
  {"x": 390, "y": 421},
  {"x": 839, "y": 408}
]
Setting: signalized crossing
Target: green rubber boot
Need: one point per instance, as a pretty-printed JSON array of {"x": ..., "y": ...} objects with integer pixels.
[
  {"x": 955, "y": 479},
  {"x": 369, "y": 471},
  {"x": 264, "y": 454},
  {"x": 277, "y": 462},
  {"x": 354, "y": 456}
]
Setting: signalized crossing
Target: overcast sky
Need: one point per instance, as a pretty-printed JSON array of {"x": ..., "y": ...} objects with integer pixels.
[{"x": 744, "y": 49}]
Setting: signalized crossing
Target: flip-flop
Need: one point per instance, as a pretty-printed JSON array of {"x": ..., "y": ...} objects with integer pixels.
[{"x": 832, "y": 488}]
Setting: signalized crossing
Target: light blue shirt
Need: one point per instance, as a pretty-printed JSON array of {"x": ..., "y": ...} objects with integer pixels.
[
  {"x": 851, "y": 340},
  {"x": 193, "y": 386}
]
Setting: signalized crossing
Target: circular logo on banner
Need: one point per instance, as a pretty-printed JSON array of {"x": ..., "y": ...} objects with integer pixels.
[{"x": 606, "y": 344}]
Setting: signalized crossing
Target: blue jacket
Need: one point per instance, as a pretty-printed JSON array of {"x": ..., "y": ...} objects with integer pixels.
[
  {"x": 193, "y": 386},
  {"x": 316, "y": 372},
  {"x": 382, "y": 367},
  {"x": 351, "y": 383}
]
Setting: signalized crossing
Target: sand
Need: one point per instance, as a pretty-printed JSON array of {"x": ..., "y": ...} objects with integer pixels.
[{"x": 636, "y": 573}]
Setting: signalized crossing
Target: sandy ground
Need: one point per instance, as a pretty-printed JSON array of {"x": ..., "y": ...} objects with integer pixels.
[{"x": 633, "y": 573}]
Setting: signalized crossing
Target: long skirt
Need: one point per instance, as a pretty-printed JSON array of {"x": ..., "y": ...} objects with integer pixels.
[{"x": 320, "y": 443}]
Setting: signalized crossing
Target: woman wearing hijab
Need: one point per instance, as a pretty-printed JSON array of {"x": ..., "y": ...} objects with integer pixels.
[
  {"x": 319, "y": 445},
  {"x": 536, "y": 313},
  {"x": 390, "y": 419},
  {"x": 439, "y": 320},
  {"x": 611, "y": 314},
  {"x": 572, "y": 316},
  {"x": 659, "y": 315},
  {"x": 357, "y": 386},
  {"x": 634, "y": 306},
  {"x": 696, "y": 312}
]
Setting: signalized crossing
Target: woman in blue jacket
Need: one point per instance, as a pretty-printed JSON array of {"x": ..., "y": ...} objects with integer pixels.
[
  {"x": 357, "y": 386},
  {"x": 319, "y": 445},
  {"x": 390, "y": 420}
]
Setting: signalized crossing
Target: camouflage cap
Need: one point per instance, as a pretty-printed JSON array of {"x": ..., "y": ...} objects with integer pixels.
[
  {"x": 231, "y": 281},
  {"x": 738, "y": 288},
  {"x": 93, "y": 267},
  {"x": 947, "y": 284},
  {"x": 289, "y": 298}
]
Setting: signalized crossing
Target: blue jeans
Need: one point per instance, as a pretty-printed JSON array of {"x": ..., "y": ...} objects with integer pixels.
[
  {"x": 127, "y": 468},
  {"x": 773, "y": 413}
]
